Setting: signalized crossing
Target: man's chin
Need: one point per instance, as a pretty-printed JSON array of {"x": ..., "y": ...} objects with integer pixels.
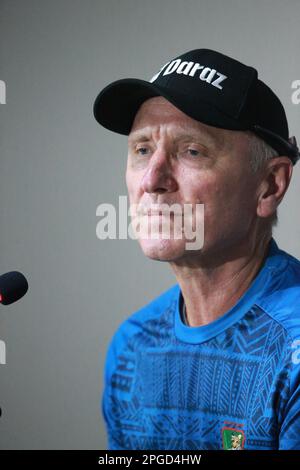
[{"x": 163, "y": 250}]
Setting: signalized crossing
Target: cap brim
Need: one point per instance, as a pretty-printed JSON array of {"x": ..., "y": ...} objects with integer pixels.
[{"x": 117, "y": 104}]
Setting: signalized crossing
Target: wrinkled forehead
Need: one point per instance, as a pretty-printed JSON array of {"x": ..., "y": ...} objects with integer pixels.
[{"x": 157, "y": 116}]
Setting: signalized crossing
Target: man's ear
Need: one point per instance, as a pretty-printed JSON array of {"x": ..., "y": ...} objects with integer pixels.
[{"x": 274, "y": 184}]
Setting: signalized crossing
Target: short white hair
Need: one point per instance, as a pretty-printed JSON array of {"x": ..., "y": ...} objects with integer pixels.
[{"x": 260, "y": 153}]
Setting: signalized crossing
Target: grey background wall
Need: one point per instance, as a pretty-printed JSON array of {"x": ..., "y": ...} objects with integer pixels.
[{"x": 57, "y": 165}]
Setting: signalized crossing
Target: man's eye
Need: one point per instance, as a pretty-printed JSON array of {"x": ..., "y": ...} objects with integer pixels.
[
  {"x": 193, "y": 152},
  {"x": 142, "y": 150}
]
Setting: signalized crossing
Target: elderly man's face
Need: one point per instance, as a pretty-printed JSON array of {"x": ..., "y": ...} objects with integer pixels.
[{"x": 174, "y": 159}]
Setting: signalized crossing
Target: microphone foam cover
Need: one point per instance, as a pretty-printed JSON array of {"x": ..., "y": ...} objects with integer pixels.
[{"x": 13, "y": 285}]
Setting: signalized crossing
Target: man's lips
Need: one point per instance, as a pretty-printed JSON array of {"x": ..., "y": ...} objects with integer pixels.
[{"x": 157, "y": 211}]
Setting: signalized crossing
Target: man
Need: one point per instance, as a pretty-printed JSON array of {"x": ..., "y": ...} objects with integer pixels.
[{"x": 215, "y": 356}]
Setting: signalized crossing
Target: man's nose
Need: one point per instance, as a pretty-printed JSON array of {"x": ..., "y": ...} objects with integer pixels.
[{"x": 158, "y": 177}]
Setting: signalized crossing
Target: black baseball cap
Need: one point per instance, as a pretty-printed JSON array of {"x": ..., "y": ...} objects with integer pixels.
[{"x": 208, "y": 86}]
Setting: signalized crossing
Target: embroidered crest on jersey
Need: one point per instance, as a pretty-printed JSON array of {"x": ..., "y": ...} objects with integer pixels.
[{"x": 233, "y": 439}]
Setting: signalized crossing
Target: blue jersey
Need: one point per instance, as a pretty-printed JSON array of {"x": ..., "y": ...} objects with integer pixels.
[{"x": 232, "y": 384}]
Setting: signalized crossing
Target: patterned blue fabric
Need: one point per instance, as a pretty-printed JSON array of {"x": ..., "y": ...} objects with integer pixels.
[{"x": 171, "y": 386}]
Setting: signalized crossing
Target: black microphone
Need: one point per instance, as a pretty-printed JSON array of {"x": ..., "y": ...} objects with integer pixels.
[{"x": 13, "y": 286}]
